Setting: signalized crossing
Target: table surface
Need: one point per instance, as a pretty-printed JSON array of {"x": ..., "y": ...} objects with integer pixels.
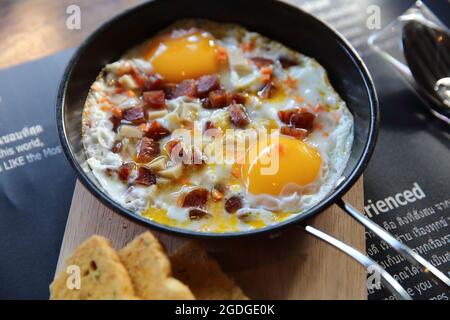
[{"x": 290, "y": 266}]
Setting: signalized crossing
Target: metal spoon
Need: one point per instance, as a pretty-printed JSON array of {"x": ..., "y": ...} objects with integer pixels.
[{"x": 427, "y": 51}]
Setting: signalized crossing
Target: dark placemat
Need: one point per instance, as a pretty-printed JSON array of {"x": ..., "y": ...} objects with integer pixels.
[{"x": 36, "y": 182}]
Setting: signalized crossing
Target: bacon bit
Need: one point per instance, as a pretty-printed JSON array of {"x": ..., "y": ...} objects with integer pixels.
[
  {"x": 195, "y": 198},
  {"x": 218, "y": 99},
  {"x": 155, "y": 99},
  {"x": 287, "y": 62},
  {"x": 186, "y": 88},
  {"x": 109, "y": 172},
  {"x": 147, "y": 150},
  {"x": 131, "y": 94},
  {"x": 299, "y": 134},
  {"x": 104, "y": 100},
  {"x": 304, "y": 109},
  {"x": 169, "y": 90},
  {"x": 320, "y": 108},
  {"x": 326, "y": 134},
  {"x": 117, "y": 112},
  {"x": 105, "y": 108},
  {"x": 206, "y": 84},
  {"x": 239, "y": 98},
  {"x": 236, "y": 172},
  {"x": 134, "y": 115},
  {"x": 154, "y": 82},
  {"x": 196, "y": 214},
  {"x": 233, "y": 204},
  {"x": 124, "y": 171},
  {"x": 156, "y": 131},
  {"x": 238, "y": 115},
  {"x": 170, "y": 147},
  {"x": 216, "y": 195},
  {"x": 115, "y": 122},
  {"x": 117, "y": 148},
  {"x": 248, "y": 46},
  {"x": 124, "y": 69},
  {"x": 145, "y": 177},
  {"x": 222, "y": 55},
  {"x": 138, "y": 77},
  {"x": 262, "y": 62},
  {"x": 291, "y": 82},
  {"x": 299, "y": 99},
  {"x": 95, "y": 86},
  {"x": 285, "y": 115},
  {"x": 266, "y": 73},
  {"x": 303, "y": 120},
  {"x": 119, "y": 90}
]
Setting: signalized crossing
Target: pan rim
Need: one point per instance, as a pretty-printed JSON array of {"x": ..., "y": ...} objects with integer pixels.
[{"x": 327, "y": 202}]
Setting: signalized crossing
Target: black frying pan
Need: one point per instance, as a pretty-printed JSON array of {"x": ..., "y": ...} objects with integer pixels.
[{"x": 277, "y": 20}]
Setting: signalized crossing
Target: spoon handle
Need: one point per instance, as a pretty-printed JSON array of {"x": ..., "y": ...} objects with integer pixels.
[
  {"x": 404, "y": 250},
  {"x": 388, "y": 281}
]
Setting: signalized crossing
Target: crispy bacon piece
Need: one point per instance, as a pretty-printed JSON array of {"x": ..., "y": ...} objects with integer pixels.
[
  {"x": 175, "y": 149},
  {"x": 134, "y": 115},
  {"x": 262, "y": 62},
  {"x": 117, "y": 147},
  {"x": 233, "y": 204},
  {"x": 303, "y": 120},
  {"x": 153, "y": 82},
  {"x": 196, "y": 214},
  {"x": 218, "y": 99},
  {"x": 156, "y": 131},
  {"x": 115, "y": 122},
  {"x": 207, "y": 84},
  {"x": 195, "y": 198},
  {"x": 169, "y": 90},
  {"x": 285, "y": 115},
  {"x": 294, "y": 132},
  {"x": 297, "y": 118},
  {"x": 145, "y": 177},
  {"x": 186, "y": 88},
  {"x": 287, "y": 62},
  {"x": 239, "y": 98},
  {"x": 155, "y": 99},
  {"x": 138, "y": 77},
  {"x": 124, "y": 171},
  {"x": 147, "y": 150},
  {"x": 238, "y": 115}
]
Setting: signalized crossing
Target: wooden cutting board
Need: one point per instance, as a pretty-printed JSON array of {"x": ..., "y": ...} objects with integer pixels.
[{"x": 290, "y": 266}]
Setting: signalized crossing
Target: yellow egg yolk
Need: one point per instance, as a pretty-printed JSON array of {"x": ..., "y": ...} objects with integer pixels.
[
  {"x": 298, "y": 163},
  {"x": 188, "y": 56}
]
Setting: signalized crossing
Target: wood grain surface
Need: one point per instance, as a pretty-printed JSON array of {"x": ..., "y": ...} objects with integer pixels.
[{"x": 290, "y": 265}]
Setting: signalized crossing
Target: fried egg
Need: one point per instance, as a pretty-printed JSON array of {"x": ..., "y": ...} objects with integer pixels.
[{"x": 214, "y": 128}]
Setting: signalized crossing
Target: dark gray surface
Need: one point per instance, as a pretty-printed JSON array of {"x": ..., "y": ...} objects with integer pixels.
[{"x": 35, "y": 198}]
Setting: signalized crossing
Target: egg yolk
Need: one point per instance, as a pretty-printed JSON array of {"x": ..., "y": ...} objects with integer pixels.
[
  {"x": 298, "y": 163},
  {"x": 187, "y": 56}
]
